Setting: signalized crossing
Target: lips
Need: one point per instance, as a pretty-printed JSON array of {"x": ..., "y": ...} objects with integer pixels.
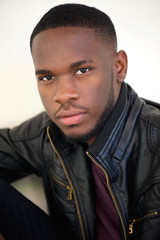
[{"x": 71, "y": 118}]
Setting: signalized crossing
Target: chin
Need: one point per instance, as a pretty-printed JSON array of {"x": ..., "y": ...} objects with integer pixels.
[{"x": 81, "y": 138}]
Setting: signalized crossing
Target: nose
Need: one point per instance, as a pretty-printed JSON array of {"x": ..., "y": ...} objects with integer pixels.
[{"x": 66, "y": 90}]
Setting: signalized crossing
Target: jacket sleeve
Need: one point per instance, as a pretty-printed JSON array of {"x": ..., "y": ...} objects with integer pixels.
[{"x": 21, "y": 149}]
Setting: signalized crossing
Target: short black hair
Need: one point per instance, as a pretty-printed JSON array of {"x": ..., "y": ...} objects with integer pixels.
[{"x": 77, "y": 15}]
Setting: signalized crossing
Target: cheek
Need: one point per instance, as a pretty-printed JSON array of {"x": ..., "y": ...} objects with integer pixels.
[
  {"x": 97, "y": 99},
  {"x": 100, "y": 92}
]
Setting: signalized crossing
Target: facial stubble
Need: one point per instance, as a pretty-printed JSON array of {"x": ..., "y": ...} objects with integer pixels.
[{"x": 99, "y": 123}]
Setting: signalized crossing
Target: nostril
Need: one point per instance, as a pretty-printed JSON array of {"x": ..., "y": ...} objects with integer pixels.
[{"x": 66, "y": 95}]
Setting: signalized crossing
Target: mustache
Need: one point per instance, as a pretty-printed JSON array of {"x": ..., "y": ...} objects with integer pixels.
[{"x": 68, "y": 106}]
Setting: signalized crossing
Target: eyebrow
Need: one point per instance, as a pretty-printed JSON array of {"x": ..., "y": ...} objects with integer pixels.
[
  {"x": 42, "y": 71},
  {"x": 73, "y": 65},
  {"x": 79, "y": 63}
]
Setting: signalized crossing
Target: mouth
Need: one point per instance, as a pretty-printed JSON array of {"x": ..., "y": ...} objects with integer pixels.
[{"x": 69, "y": 119}]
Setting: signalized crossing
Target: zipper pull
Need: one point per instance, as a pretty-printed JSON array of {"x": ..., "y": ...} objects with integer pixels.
[
  {"x": 131, "y": 227},
  {"x": 69, "y": 196}
]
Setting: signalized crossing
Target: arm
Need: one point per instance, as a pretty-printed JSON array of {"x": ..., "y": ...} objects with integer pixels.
[{"x": 21, "y": 148}]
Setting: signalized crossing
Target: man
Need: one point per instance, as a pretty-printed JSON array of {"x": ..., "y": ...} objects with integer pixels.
[{"x": 96, "y": 149}]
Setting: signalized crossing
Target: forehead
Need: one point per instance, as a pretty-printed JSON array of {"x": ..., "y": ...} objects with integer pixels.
[
  {"x": 65, "y": 36},
  {"x": 66, "y": 43}
]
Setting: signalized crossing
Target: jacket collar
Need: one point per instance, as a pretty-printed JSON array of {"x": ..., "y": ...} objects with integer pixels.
[{"x": 114, "y": 122}]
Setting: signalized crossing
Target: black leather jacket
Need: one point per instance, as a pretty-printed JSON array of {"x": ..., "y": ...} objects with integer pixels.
[{"x": 127, "y": 150}]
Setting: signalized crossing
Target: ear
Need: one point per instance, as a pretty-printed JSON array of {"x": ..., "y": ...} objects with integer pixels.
[{"x": 121, "y": 63}]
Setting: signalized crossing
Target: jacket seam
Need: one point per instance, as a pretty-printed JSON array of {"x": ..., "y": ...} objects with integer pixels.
[
  {"x": 151, "y": 141},
  {"x": 149, "y": 121}
]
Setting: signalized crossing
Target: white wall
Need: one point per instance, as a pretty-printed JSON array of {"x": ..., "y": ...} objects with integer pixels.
[{"x": 138, "y": 29}]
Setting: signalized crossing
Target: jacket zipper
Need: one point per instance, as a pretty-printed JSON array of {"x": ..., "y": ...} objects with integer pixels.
[
  {"x": 131, "y": 222},
  {"x": 69, "y": 189},
  {"x": 71, "y": 185},
  {"x": 112, "y": 195}
]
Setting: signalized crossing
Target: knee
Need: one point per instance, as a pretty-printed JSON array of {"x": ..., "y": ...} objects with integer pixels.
[
  {"x": 3, "y": 186},
  {"x": 5, "y": 190}
]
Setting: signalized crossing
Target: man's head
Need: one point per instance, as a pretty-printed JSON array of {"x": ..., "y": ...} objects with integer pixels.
[
  {"x": 77, "y": 15},
  {"x": 79, "y": 72}
]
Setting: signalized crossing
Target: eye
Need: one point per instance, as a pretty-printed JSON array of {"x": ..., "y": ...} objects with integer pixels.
[
  {"x": 82, "y": 71},
  {"x": 46, "y": 78}
]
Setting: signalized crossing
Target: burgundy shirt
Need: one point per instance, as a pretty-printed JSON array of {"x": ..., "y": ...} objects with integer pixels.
[{"x": 107, "y": 217}]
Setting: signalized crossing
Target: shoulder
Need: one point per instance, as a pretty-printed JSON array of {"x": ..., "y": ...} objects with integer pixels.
[
  {"x": 150, "y": 116},
  {"x": 31, "y": 128},
  {"x": 151, "y": 112}
]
